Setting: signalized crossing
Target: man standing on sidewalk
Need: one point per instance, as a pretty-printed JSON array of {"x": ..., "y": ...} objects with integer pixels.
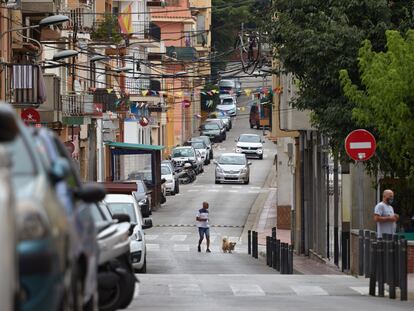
[
  {"x": 203, "y": 226},
  {"x": 384, "y": 214}
]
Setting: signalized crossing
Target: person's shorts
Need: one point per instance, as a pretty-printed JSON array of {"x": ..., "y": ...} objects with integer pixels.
[{"x": 204, "y": 231}]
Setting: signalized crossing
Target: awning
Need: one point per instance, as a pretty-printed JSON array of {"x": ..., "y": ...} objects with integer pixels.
[{"x": 120, "y": 145}]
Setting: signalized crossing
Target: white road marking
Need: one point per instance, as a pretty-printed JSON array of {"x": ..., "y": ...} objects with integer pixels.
[
  {"x": 136, "y": 293},
  {"x": 363, "y": 290},
  {"x": 181, "y": 248},
  {"x": 255, "y": 187},
  {"x": 178, "y": 237},
  {"x": 252, "y": 191},
  {"x": 151, "y": 237},
  {"x": 236, "y": 187},
  {"x": 232, "y": 191},
  {"x": 247, "y": 290},
  {"x": 193, "y": 190},
  {"x": 198, "y": 186},
  {"x": 304, "y": 290},
  {"x": 213, "y": 190},
  {"x": 152, "y": 247}
]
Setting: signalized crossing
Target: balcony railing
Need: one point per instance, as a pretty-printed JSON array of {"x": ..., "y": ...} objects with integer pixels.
[
  {"x": 77, "y": 104},
  {"x": 81, "y": 19},
  {"x": 25, "y": 85},
  {"x": 104, "y": 100}
]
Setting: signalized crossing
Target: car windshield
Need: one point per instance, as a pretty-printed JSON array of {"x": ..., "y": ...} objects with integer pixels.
[
  {"x": 227, "y": 101},
  {"x": 22, "y": 162},
  {"x": 185, "y": 152},
  {"x": 211, "y": 126},
  {"x": 249, "y": 139},
  {"x": 165, "y": 170},
  {"x": 232, "y": 160},
  {"x": 123, "y": 208},
  {"x": 198, "y": 145}
]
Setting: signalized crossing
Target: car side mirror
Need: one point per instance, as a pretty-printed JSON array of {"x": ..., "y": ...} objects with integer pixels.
[
  {"x": 121, "y": 217},
  {"x": 263, "y": 141},
  {"x": 147, "y": 223},
  {"x": 249, "y": 163},
  {"x": 91, "y": 193},
  {"x": 8, "y": 125},
  {"x": 163, "y": 180},
  {"x": 60, "y": 169}
]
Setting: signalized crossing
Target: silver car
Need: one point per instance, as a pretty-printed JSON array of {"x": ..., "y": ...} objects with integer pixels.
[{"x": 232, "y": 167}]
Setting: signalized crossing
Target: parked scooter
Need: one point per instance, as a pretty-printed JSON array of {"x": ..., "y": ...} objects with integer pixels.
[
  {"x": 116, "y": 278},
  {"x": 188, "y": 174}
]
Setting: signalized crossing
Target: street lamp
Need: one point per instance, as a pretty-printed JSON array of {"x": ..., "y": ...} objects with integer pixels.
[{"x": 64, "y": 54}]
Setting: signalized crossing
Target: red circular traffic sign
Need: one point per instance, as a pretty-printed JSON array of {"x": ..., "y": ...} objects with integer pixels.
[
  {"x": 360, "y": 145},
  {"x": 30, "y": 115}
]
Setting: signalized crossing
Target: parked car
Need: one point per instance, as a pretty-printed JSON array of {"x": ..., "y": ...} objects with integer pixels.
[
  {"x": 126, "y": 204},
  {"x": 176, "y": 183},
  {"x": 83, "y": 245},
  {"x": 116, "y": 279},
  {"x": 203, "y": 149},
  {"x": 181, "y": 155},
  {"x": 212, "y": 131},
  {"x": 143, "y": 198},
  {"x": 170, "y": 181},
  {"x": 199, "y": 162},
  {"x": 250, "y": 145},
  {"x": 9, "y": 285},
  {"x": 208, "y": 142},
  {"x": 227, "y": 86},
  {"x": 232, "y": 167},
  {"x": 224, "y": 117},
  {"x": 254, "y": 117},
  {"x": 227, "y": 105},
  {"x": 220, "y": 123},
  {"x": 48, "y": 274}
]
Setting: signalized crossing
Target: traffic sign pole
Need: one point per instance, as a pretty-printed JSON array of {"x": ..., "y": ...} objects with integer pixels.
[{"x": 360, "y": 145}]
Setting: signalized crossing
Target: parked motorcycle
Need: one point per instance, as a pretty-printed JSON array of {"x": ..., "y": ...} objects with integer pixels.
[
  {"x": 116, "y": 278},
  {"x": 188, "y": 174}
]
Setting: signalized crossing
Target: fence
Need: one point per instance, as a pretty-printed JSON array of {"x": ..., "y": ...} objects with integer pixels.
[
  {"x": 383, "y": 261},
  {"x": 279, "y": 255}
]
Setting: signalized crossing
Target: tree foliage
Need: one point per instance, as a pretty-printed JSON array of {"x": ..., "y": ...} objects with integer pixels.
[
  {"x": 315, "y": 39},
  {"x": 385, "y": 101}
]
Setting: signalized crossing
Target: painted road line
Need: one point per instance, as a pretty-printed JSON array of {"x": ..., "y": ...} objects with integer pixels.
[
  {"x": 213, "y": 190},
  {"x": 187, "y": 289},
  {"x": 178, "y": 237},
  {"x": 304, "y": 290},
  {"x": 193, "y": 190},
  {"x": 153, "y": 247},
  {"x": 151, "y": 237},
  {"x": 181, "y": 248},
  {"x": 242, "y": 290}
]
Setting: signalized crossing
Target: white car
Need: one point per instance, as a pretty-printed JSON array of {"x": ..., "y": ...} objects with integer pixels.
[
  {"x": 181, "y": 155},
  {"x": 169, "y": 177},
  {"x": 202, "y": 147},
  {"x": 250, "y": 145},
  {"x": 227, "y": 105},
  {"x": 126, "y": 204}
]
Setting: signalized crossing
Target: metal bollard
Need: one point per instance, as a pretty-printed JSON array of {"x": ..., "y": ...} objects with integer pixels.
[
  {"x": 277, "y": 255},
  {"x": 367, "y": 242},
  {"x": 385, "y": 238},
  {"x": 403, "y": 270},
  {"x": 285, "y": 258},
  {"x": 268, "y": 250},
  {"x": 249, "y": 242},
  {"x": 361, "y": 252},
  {"x": 391, "y": 269},
  {"x": 373, "y": 277},
  {"x": 282, "y": 258},
  {"x": 397, "y": 259},
  {"x": 274, "y": 232},
  {"x": 290, "y": 259},
  {"x": 380, "y": 267},
  {"x": 255, "y": 245}
]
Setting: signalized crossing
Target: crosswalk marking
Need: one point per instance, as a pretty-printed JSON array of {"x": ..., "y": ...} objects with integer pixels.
[
  {"x": 151, "y": 237},
  {"x": 181, "y": 248},
  {"x": 178, "y": 237},
  {"x": 363, "y": 290},
  {"x": 187, "y": 289},
  {"x": 193, "y": 190},
  {"x": 232, "y": 191},
  {"x": 153, "y": 247},
  {"x": 304, "y": 290},
  {"x": 247, "y": 290},
  {"x": 236, "y": 187},
  {"x": 213, "y": 190}
]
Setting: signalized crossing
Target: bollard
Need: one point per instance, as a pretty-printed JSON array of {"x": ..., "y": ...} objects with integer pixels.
[
  {"x": 372, "y": 277},
  {"x": 397, "y": 260},
  {"x": 403, "y": 270},
  {"x": 282, "y": 258},
  {"x": 361, "y": 252},
  {"x": 380, "y": 267},
  {"x": 269, "y": 251},
  {"x": 274, "y": 254},
  {"x": 255, "y": 245},
  {"x": 385, "y": 238},
  {"x": 391, "y": 269},
  {"x": 277, "y": 255},
  {"x": 249, "y": 242},
  {"x": 367, "y": 241},
  {"x": 285, "y": 258},
  {"x": 290, "y": 259},
  {"x": 274, "y": 232}
]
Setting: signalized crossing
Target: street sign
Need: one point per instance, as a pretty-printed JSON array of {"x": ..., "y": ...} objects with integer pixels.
[
  {"x": 30, "y": 115},
  {"x": 360, "y": 145}
]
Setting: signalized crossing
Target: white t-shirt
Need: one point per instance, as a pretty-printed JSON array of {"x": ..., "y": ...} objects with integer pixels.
[
  {"x": 382, "y": 209},
  {"x": 203, "y": 214}
]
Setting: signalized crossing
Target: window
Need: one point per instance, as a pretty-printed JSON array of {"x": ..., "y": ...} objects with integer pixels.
[
  {"x": 185, "y": 153},
  {"x": 232, "y": 160},
  {"x": 201, "y": 34},
  {"x": 172, "y": 2},
  {"x": 123, "y": 208},
  {"x": 250, "y": 139},
  {"x": 22, "y": 163}
]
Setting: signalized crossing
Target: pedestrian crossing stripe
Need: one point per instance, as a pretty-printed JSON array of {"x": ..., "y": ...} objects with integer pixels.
[{"x": 305, "y": 290}]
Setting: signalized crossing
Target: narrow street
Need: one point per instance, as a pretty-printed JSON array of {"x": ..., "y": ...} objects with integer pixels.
[{"x": 180, "y": 278}]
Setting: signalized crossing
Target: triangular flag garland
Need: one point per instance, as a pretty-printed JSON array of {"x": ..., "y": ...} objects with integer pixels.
[{"x": 109, "y": 90}]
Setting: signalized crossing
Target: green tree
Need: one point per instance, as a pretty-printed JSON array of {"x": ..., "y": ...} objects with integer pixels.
[{"x": 315, "y": 39}]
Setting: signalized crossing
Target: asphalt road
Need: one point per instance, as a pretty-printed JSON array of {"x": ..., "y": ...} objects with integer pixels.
[{"x": 180, "y": 278}]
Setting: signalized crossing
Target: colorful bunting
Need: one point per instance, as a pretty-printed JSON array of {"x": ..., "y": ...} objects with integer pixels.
[
  {"x": 144, "y": 121},
  {"x": 144, "y": 92},
  {"x": 248, "y": 92},
  {"x": 109, "y": 90},
  {"x": 125, "y": 20},
  {"x": 186, "y": 103}
]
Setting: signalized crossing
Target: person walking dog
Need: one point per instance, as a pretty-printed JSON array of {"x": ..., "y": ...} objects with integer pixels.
[{"x": 203, "y": 226}]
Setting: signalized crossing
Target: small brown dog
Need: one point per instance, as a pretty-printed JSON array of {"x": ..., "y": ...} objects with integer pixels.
[{"x": 227, "y": 246}]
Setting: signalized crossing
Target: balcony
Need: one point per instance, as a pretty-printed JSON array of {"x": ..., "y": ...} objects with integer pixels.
[
  {"x": 82, "y": 19},
  {"x": 77, "y": 105},
  {"x": 33, "y": 7},
  {"x": 147, "y": 33},
  {"x": 104, "y": 101},
  {"x": 25, "y": 85}
]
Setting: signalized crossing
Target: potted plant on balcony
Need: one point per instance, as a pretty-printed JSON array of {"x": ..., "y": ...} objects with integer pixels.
[{"x": 107, "y": 30}]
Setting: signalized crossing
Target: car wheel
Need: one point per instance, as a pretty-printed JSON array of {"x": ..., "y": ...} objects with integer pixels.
[
  {"x": 217, "y": 181},
  {"x": 144, "y": 266},
  {"x": 92, "y": 304},
  {"x": 177, "y": 187},
  {"x": 127, "y": 285},
  {"x": 246, "y": 182},
  {"x": 261, "y": 157},
  {"x": 251, "y": 125},
  {"x": 163, "y": 199}
]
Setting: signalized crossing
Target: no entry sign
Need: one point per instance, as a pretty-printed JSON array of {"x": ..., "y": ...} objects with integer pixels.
[{"x": 360, "y": 145}]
